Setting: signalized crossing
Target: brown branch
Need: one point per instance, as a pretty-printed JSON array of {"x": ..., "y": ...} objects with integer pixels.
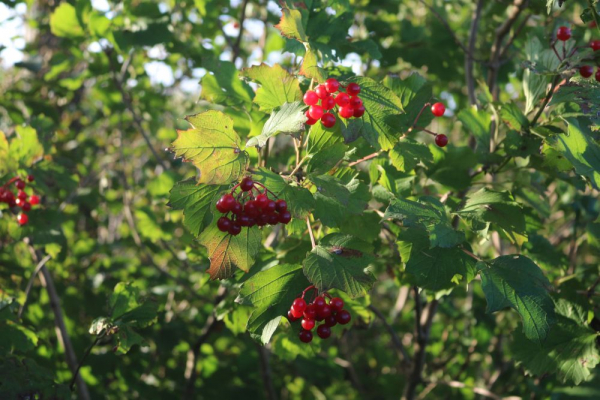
[
  {"x": 405, "y": 359},
  {"x": 236, "y": 46},
  {"x": 30, "y": 283},
  {"x": 537, "y": 116},
  {"x": 468, "y": 59},
  {"x": 366, "y": 158}
]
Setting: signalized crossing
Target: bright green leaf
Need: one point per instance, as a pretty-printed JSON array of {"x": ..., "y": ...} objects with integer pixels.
[{"x": 277, "y": 86}]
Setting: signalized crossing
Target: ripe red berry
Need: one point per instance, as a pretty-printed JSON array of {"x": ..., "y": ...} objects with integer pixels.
[
  {"x": 353, "y": 89},
  {"x": 22, "y": 219},
  {"x": 235, "y": 228},
  {"x": 310, "y": 312},
  {"x": 595, "y": 45},
  {"x": 221, "y": 206},
  {"x": 311, "y": 98},
  {"x": 272, "y": 219},
  {"x": 586, "y": 71},
  {"x": 261, "y": 200},
  {"x": 310, "y": 121},
  {"x": 281, "y": 205},
  {"x": 308, "y": 324},
  {"x": 336, "y": 304},
  {"x": 299, "y": 304},
  {"x": 597, "y": 76},
  {"x": 224, "y": 224},
  {"x": 324, "y": 312},
  {"x": 243, "y": 220},
  {"x": 30, "y": 178},
  {"x": 346, "y": 112},
  {"x": 321, "y": 91},
  {"x": 342, "y": 99},
  {"x": 328, "y": 103},
  {"x": 315, "y": 112},
  {"x": 285, "y": 217},
  {"x": 270, "y": 207},
  {"x": 237, "y": 208},
  {"x": 261, "y": 220},
  {"x": 438, "y": 109},
  {"x": 22, "y": 195},
  {"x": 563, "y": 33},
  {"x": 343, "y": 317},
  {"x": 251, "y": 209},
  {"x": 324, "y": 331},
  {"x": 359, "y": 111},
  {"x": 291, "y": 317},
  {"x": 441, "y": 140},
  {"x": 34, "y": 200},
  {"x": 305, "y": 336},
  {"x": 19, "y": 202},
  {"x": 330, "y": 321},
  {"x": 332, "y": 85},
  {"x": 20, "y": 184},
  {"x": 328, "y": 120},
  {"x": 319, "y": 302},
  {"x": 247, "y": 184},
  {"x": 296, "y": 312},
  {"x": 228, "y": 201},
  {"x": 26, "y": 206},
  {"x": 355, "y": 101}
]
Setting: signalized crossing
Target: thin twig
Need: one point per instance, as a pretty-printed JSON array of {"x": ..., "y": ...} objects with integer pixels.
[
  {"x": 480, "y": 391},
  {"x": 236, "y": 46},
  {"x": 468, "y": 59},
  {"x": 546, "y": 100},
  {"x": 310, "y": 232},
  {"x": 467, "y": 252},
  {"x": 85, "y": 356},
  {"x": 395, "y": 339},
  {"x": 30, "y": 283},
  {"x": 590, "y": 291},
  {"x": 366, "y": 158}
]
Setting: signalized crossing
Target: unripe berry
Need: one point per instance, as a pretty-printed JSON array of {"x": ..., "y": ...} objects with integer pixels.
[
  {"x": 563, "y": 33},
  {"x": 332, "y": 85},
  {"x": 353, "y": 89},
  {"x": 441, "y": 140},
  {"x": 311, "y": 98},
  {"x": 438, "y": 109}
]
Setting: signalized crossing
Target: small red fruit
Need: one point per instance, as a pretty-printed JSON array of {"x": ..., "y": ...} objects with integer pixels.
[
  {"x": 342, "y": 99},
  {"x": 353, "y": 89},
  {"x": 247, "y": 184},
  {"x": 359, "y": 111},
  {"x": 321, "y": 91},
  {"x": 319, "y": 302},
  {"x": 324, "y": 331},
  {"x": 343, "y": 317},
  {"x": 597, "y": 76},
  {"x": 299, "y": 304},
  {"x": 595, "y": 45},
  {"x": 22, "y": 219},
  {"x": 26, "y": 206},
  {"x": 311, "y": 98},
  {"x": 237, "y": 208},
  {"x": 272, "y": 219},
  {"x": 310, "y": 312},
  {"x": 563, "y": 33},
  {"x": 438, "y": 109},
  {"x": 19, "y": 202},
  {"x": 328, "y": 103},
  {"x": 441, "y": 140},
  {"x": 315, "y": 112},
  {"x": 261, "y": 200},
  {"x": 346, "y": 112},
  {"x": 308, "y": 324},
  {"x": 221, "y": 206},
  {"x": 34, "y": 200},
  {"x": 332, "y": 85},
  {"x": 224, "y": 224},
  {"x": 251, "y": 209},
  {"x": 22, "y": 195},
  {"x": 296, "y": 313},
  {"x": 330, "y": 321},
  {"x": 31, "y": 178},
  {"x": 305, "y": 336},
  {"x": 336, "y": 304},
  {"x": 228, "y": 201},
  {"x": 310, "y": 120},
  {"x": 324, "y": 312},
  {"x": 285, "y": 217},
  {"x": 586, "y": 71},
  {"x": 235, "y": 228},
  {"x": 281, "y": 205},
  {"x": 20, "y": 184},
  {"x": 243, "y": 220},
  {"x": 291, "y": 317},
  {"x": 355, "y": 101},
  {"x": 328, "y": 120}
]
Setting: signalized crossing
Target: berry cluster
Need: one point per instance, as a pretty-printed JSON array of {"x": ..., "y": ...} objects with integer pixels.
[
  {"x": 19, "y": 198},
  {"x": 563, "y": 34},
  {"x": 331, "y": 314},
  {"x": 321, "y": 102},
  {"x": 249, "y": 210}
]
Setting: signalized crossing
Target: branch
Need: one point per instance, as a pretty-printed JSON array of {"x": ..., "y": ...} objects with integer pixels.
[
  {"x": 546, "y": 100},
  {"x": 265, "y": 371},
  {"x": 395, "y": 339},
  {"x": 468, "y": 59},
  {"x": 310, "y": 232},
  {"x": 236, "y": 46},
  {"x": 30, "y": 283},
  {"x": 85, "y": 356},
  {"x": 369, "y": 157},
  {"x": 480, "y": 391}
]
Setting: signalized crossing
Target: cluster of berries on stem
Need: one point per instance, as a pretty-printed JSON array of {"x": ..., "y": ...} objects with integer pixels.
[
  {"x": 437, "y": 109},
  {"x": 251, "y": 206},
  {"x": 324, "y": 308},
  {"x": 323, "y": 100},
  {"x": 563, "y": 34},
  {"x": 19, "y": 198}
]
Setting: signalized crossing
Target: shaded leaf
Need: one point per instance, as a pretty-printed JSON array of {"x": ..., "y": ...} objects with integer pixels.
[{"x": 289, "y": 119}]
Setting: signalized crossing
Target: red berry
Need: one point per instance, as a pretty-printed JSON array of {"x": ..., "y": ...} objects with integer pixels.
[
  {"x": 281, "y": 205},
  {"x": 328, "y": 103},
  {"x": 441, "y": 140},
  {"x": 595, "y": 45},
  {"x": 221, "y": 207},
  {"x": 310, "y": 312},
  {"x": 305, "y": 336},
  {"x": 328, "y": 120},
  {"x": 438, "y": 109},
  {"x": 332, "y": 85},
  {"x": 30, "y": 178},
  {"x": 353, "y": 89},
  {"x": 319, "y": 302},
  {"x": 228, "y": 201},
  {"x": 261, "y": 200},
  {"x": 310, "y": 121},
  {"x": 251, "y": 209},
  {"x": 270, "y": 207},
  {"x": 291, "y": 317},
  {"x": 26, "y": 206},
  {"x": 296, "y": 313},
  {"x": 330, "y": 321},
  {"x": 321, "y": 91},
  {"x": 355, "y": 101},
  {"x": 343, "y": 317},
  {"x": 342, "y": 99},
  {"x": 324, "y": 331},
  {"x": 597, "y": 76},
  {"x": 20, "y": 184},
  {"x": 586, "y": 71},
  {"x": 336, "y": 304},
  {"x": 315, "y": 112},
  {"x": 359, "y": 111},
  {"x": 299, "y": 304},
  {"x": 308, "y": 324},
  {"x": 285, "y": 217},
  {"x": 324, "y": 312},
  {"x": 247, "y": 184},
  {"x": 19, "y": 202},
  {"x": 243, "y": 220},
  {"x": 272, "y": 219},
  {"x": 224, "y": 224},
  {"x": 346, "y": 112},
  {"x": 22, "y": 195},
  {"x": 34, "y": 200},
  {"x": 261, "y": 220},
  {"x": 311, "y": 98},
  {"x": 22, "y": 219},
  {"x": 563, "y": 33},
  {"x": 235, "y": 228},
  {"x": 237, "y": 208}
]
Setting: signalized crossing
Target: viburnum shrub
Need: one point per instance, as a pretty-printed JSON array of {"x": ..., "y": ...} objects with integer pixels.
[{"x": 15, "y": 194}]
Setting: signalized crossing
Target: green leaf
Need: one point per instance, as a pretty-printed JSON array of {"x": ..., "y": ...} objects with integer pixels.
[
  {"x": 277, "y": 86},
  {"x": 451, "y": 166},
  {"x": 534, "y": 85},
  {"x": 323, "y": 161},
  {"x": 381, "y": 104},
  {"x": 127, "y": 338},
  {"x": 197, "y": 202},
  {"x": 570, "y": 351},
  {"x": 25, "y": 148},
  {"x": 291, "y": 25},
  {"x": 407, "y": 153},
  {"x": 334, "y": 201},
  {"x": 213, "y": 147},
  {"x": 515, "y": 281},
  {"x": 580, "y": 149},
  {"x": 500, "y": 208},
  {"x": 24, "y": 378},
  {"x": 289, "y": 119},
  {"x": 310, "y": 67},
  {"x": 340, "y": 262},
  {"x": 300, "y": 200},
  {"x": 414, "y": 92},
  {"x": 223, "y": 85},
  {"x": 271, "y": 292},
  {"x": 320, "y": 137},
  {"x": 478, "y": 122},
  {"x": 438, "y": 268},
  {"x": 227, "y": 252},
  {"x": 583, "y": 92},
  {"x": 129, "y": 307},
  {"x": 64, "y": 22}
]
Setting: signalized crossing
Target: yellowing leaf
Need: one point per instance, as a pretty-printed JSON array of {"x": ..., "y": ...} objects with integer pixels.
[
  {"x": 310, "y": 68},
  {"x": 277, "y": 86},
  {"x": 213, "y": 147},
  {"x": 291, "y": 25}
]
